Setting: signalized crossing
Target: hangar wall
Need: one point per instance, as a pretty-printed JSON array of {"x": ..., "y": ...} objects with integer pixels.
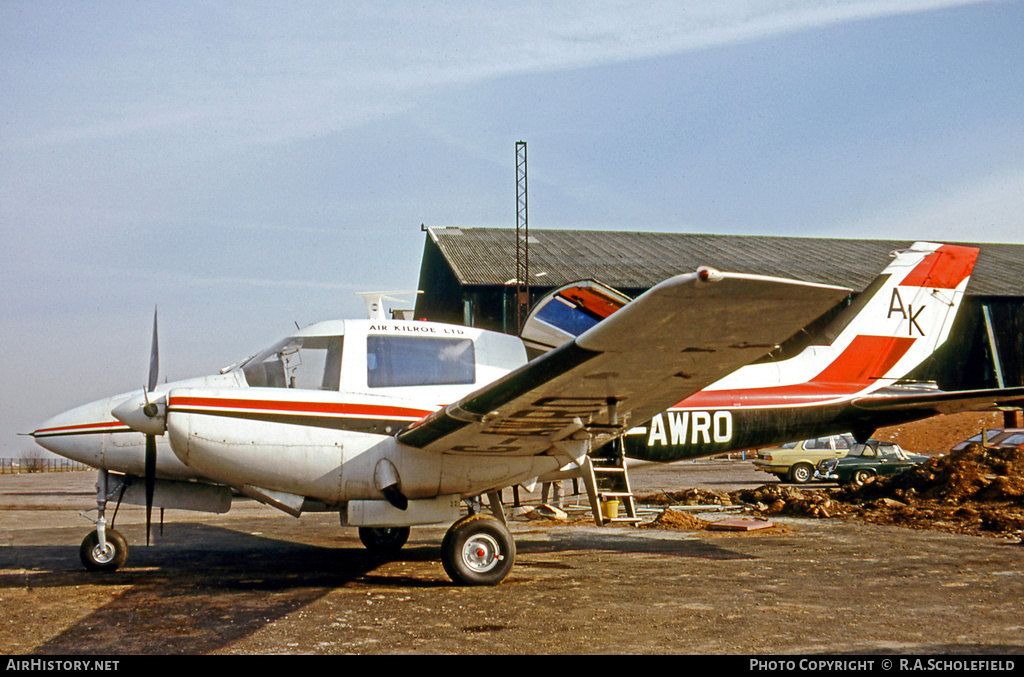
[{"x": 467, "y": 277}]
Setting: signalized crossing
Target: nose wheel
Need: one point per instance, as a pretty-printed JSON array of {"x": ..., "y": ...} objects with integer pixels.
[
  {"x": 478, "y": 550},
  {"x": 107, "y": 556},
  {"x": 104, "y": 549}
]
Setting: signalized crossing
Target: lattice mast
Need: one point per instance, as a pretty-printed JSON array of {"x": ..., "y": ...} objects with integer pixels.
[{"x": 522, "y": 239}]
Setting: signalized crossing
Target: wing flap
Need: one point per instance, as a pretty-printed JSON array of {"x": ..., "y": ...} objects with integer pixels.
[{"x": 669, "y": 343}]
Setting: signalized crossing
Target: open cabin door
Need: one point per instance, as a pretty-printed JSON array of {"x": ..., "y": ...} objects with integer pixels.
[{"x": 566, "y": 312}]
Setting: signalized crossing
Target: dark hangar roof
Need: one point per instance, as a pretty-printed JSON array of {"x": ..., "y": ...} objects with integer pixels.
[{"x": 637, "y": 260}]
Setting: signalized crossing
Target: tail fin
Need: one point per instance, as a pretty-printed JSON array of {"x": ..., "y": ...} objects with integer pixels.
[{"x": 901, "y": 318}]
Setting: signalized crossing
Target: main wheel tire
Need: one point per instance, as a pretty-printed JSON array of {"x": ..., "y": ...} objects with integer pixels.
[
  {"x": 478, "y": 550},
  {"x": 862, "y": 477},
  {"x": 110, "y": 558},
  {"x": 801, "y": 473},
  {"x": 384, "y": 539}
]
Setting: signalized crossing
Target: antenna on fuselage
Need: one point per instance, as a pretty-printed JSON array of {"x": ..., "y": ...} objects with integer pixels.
[{"x": 375, "y": 302}]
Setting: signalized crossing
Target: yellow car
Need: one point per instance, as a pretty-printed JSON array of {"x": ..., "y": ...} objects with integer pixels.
[{"x": 795, "y": 461}]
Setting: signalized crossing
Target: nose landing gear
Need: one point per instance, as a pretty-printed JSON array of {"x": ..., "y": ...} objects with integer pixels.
[
  {"x": 104, "y": 549},
  {"x": 106, "y": 555}
]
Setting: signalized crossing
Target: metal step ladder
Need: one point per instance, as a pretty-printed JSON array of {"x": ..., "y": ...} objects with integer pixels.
[{"x": 606, "y": 480}]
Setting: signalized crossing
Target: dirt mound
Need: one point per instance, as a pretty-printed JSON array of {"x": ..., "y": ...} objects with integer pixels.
[
  {"x": 676, "y": 519},
  {"x": 972, "y": 474},
  {"x": 775, "y": 499},
  {"x": 975, "y": 490}
]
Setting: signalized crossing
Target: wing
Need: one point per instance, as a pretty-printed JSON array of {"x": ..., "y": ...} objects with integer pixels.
[{"x": 672, "y": 341}]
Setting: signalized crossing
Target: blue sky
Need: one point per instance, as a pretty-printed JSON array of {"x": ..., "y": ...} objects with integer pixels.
[{"x": 249, "y": 166}]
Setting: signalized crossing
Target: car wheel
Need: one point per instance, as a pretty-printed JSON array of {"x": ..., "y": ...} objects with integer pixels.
[
  {"x": 801, "y": 473},
  {"x": 861, "y": 477}
]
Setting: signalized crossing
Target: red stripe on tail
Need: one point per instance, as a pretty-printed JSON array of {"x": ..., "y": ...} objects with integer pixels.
[{"x": 945, "y": 268}]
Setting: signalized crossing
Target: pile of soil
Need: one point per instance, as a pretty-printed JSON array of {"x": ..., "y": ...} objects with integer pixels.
[
  {"x": 975, "y": 490},
  {"x": 974, "y": 474},
  {"x": 676, "y": 519},
  {"x": 775, "y": 499}
]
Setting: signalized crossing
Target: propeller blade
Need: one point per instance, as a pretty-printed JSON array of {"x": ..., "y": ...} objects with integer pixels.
[
  {"x": 154, "y": 374},
  {"x": 154, "y": 358},
  {"x": 150, "y": 480}
]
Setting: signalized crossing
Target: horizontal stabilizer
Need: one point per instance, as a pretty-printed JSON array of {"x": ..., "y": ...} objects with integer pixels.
[{"x": 941, "y": 402}]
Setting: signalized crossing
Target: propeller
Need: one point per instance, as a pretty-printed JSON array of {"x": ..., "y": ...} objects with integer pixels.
[
  {"x": 147, "y": 417},
  {"x": 151, "y": 410}
]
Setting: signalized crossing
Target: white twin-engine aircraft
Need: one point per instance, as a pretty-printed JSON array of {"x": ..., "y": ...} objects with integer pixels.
[{"x": 394, "y": 423}]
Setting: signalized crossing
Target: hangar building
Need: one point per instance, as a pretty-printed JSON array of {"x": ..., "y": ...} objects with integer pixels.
[{"x": 467, "y": 276}]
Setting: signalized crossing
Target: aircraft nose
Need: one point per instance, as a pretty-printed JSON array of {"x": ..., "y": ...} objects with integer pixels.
[{"x": 77, "y": 434}]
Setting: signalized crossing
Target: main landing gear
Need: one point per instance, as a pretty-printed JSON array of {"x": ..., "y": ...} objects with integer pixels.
[
  {"x": 477, "y": 550},
  {"x": 384, "y": 540}
]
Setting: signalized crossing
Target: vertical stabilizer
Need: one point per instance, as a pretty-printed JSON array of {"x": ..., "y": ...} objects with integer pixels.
[{"x": 901, "y": 318}]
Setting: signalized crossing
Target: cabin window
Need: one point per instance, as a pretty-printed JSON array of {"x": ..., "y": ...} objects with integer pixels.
[
  {"x": 419, "y": 361},
  {"x": 306, "y": 362}
]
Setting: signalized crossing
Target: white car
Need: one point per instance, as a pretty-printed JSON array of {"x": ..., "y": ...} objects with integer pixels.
[{"x": 795, "y": 461}]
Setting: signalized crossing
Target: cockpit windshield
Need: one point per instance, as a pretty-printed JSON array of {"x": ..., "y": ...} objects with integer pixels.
[{"x": 308, "y": 362}]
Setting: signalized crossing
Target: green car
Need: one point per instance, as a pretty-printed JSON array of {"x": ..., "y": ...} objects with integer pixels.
[{"x": 865, "y": 461}]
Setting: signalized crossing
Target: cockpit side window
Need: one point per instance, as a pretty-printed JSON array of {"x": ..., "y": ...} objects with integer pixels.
[
  {"x": 417, "y": 361},
  {"x": 307, "y": 362}
]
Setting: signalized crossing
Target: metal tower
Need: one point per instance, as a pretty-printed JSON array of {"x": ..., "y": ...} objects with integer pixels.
[{"x": 522, "y": 240}]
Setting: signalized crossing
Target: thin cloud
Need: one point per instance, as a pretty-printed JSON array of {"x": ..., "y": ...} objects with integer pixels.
[{"x": 271, "y": 76}]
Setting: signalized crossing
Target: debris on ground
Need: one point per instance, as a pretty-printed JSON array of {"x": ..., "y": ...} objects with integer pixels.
[
  {"x": 545, "y": 511},
  {"x": 775, "y": 499},
  {"x": 973, "y": 474},
  {"x": 976, "y": 490},
  {"x": 688, "y": 497}
]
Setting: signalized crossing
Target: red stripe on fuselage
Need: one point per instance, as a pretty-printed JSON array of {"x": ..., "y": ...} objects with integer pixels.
[
  {"x": 335, "y": 408},
  {"x": 865, "y": 360},
  {"x": 945, "y": 268},
  {"x": 109, "y": 426}
]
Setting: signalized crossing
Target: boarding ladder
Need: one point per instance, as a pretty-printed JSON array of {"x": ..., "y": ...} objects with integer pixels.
[{"x": 606, "y": 480}]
